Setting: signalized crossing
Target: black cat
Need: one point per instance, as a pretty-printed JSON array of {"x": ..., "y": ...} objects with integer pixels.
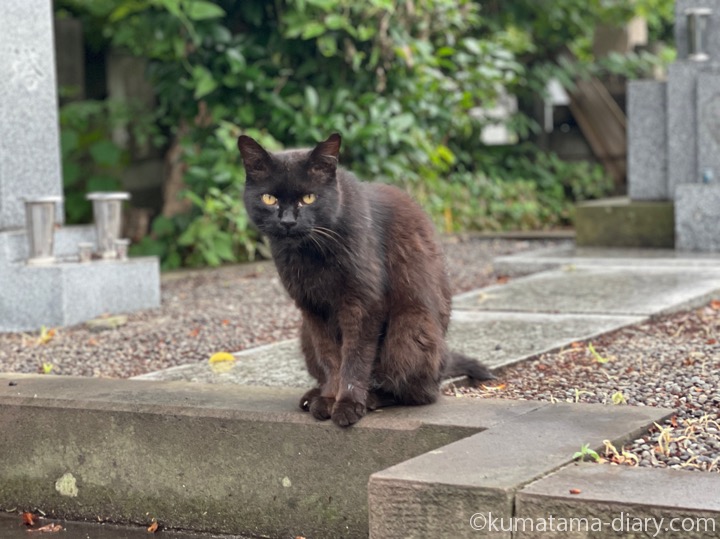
[{"x": 363, "y": 264}]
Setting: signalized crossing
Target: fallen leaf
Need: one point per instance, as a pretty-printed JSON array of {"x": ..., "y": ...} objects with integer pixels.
[
  {"x": 674, "y": 421},
  {"x": 153, "y": 527},
  {"x": 576, "y": 345},
  {"x": 194, "y": 332},
  {"x": 226, "y": 322},
  {"x": 221, "y": 362},
  {"x": 575, "y": 491},
  {"x": 27, "y": 519},
  {"x": 502, "y": 279},
  {"x": 49, "y": 528},
  {"x": 46, "y": 335},
  {"x": 498, "y": 387},
  {"x": 711, "y": 341},
  {"x": 92, "y": 342},
  {"x": 715, "y": 304}
]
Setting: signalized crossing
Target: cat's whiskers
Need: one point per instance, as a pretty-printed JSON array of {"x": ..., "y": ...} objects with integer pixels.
[{"x": 330, "y": 235}]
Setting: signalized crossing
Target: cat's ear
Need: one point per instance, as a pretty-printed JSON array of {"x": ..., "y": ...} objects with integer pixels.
[
  {"x": 324, "y": 158},
  {"x": 255, "y": 158}
]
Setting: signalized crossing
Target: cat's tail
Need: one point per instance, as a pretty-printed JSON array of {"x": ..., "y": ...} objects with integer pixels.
[{"x": 462, "y": 365}]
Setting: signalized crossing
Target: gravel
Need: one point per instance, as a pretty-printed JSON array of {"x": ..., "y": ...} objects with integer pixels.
[
  {"x": 671, "y": 361},
  {"x": 206, "y": 311}
]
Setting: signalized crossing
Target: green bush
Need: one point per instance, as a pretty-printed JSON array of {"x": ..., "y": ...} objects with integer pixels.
[{"x": 402, "y": 82}]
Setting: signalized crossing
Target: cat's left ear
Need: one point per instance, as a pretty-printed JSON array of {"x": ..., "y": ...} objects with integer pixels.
[
  {"x": 325, "y": 155},
  {"x": 255, "y": 158}
]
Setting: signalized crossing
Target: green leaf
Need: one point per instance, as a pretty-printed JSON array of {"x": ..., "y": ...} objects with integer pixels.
[
  {"x": 204, "y": 81},
  {"x": 198, "y": 10},
  {"x": 106, "y": 153},
  {"x": 163, "y": 226},
  {"x": 335, "y": 21},
  {"x": 311, "y": 98},
  {"x": 313, "y": 30},
  {"x": 68, "y": 141}
]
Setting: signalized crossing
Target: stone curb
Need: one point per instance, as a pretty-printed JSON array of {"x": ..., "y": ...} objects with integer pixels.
[
  {"x": 619, "y": 500},
  {"x": 230, "y": 459}
]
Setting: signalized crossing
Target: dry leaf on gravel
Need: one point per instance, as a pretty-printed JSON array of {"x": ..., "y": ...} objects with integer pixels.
[
  {"x": 28, "y": 519},
  {"x": 153, "y": 527},
  {"x": 48, "y": 528},
  {"x": 575, "y": 491}
]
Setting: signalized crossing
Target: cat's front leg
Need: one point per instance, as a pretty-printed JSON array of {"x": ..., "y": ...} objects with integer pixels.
[
  {"x": 322, "y": 357},
  {"x": 360, "y": 333}
]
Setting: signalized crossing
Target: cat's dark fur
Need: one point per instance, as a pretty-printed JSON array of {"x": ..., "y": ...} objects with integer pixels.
[{"x": 363, "y": 264}]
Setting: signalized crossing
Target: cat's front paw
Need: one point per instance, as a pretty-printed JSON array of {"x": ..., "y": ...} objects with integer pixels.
[
  {"x": 321, "y": 407},
  {"x": 308, "y": 397},
  {"x": 346, "y": 412}
]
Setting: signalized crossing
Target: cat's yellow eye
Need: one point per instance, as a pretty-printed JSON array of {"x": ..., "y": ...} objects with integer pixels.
[
  {"x": 269, "y": 200},
  {"x": 309, "y": 198}
]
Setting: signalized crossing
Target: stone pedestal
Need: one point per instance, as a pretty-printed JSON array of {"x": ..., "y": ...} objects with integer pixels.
[
  {"x": 65, "y": 291},
  {"x": 697, "y": 216}
]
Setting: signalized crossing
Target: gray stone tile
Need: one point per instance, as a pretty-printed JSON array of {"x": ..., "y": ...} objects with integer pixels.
[
  {"x": 708, "y": 105},
  {"x": 614, "y": 497},
  {"x": 29, "y": 140},
  {"x": 594, "y": 257},
  {"x": 647, "y": 140},
  {"x": 503, "y": 338},
  {"x": 274, "y": 365},
  {"x": 611, "y": 290},
  {"x": 697, "y": 217}
]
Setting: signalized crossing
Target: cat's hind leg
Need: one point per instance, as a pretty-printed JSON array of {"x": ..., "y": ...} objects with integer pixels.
[{"x": 411, "y": 359}]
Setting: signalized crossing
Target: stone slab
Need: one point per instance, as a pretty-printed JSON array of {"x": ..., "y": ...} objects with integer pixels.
[
  {"x": 557, "y": 257},
  {"x": 212, "y": 458},
  {"x": 69, "y": 293},
  {"x": 708, "y": 107},
  {"x": 614, "y": 498},
  {"x": 29, "y": 140},
  {"x": 437, "y": 494},
  {"x": 620, "y": 222},
  {"x": 274, "y": 365},
  {"x": 682, "y": 124},
  {"x": 608, "y": 290},
  {"x": 647, "y": 140},
  {"x": 681, "y": 27},
  {"x": 496, "y": 338},
  {"x": 697, "y": 209}
]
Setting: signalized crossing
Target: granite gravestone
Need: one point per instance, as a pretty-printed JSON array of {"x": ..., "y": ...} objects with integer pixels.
[
  {"x": 66, "y": 291},
  {"x": 680, "y": 118}
]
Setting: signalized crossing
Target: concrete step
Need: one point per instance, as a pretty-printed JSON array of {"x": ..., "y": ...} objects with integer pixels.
[{"x": 246, "y": 460}]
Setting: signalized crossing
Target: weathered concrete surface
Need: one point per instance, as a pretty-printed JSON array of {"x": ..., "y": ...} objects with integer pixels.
[
  {"x": 619, "y": 222},
  {"x": 209, "y": 457},
  {"x": 619, "y": 501},
  {"x": 437, "y": 494},
  {"x": 608, "y": 290}
]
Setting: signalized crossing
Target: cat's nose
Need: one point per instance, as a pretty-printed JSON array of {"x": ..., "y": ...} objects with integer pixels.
[{"x": 288, "y": 220}]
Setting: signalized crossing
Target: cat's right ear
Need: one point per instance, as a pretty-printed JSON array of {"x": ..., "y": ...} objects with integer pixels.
[{"x": 255, "y": 158}]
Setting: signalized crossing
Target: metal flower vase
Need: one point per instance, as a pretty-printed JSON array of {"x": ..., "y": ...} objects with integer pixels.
[{"x": 107, "y": 213}]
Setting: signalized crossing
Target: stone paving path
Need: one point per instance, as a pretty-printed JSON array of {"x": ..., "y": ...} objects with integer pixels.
[{"x": 576, "y": 294}]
